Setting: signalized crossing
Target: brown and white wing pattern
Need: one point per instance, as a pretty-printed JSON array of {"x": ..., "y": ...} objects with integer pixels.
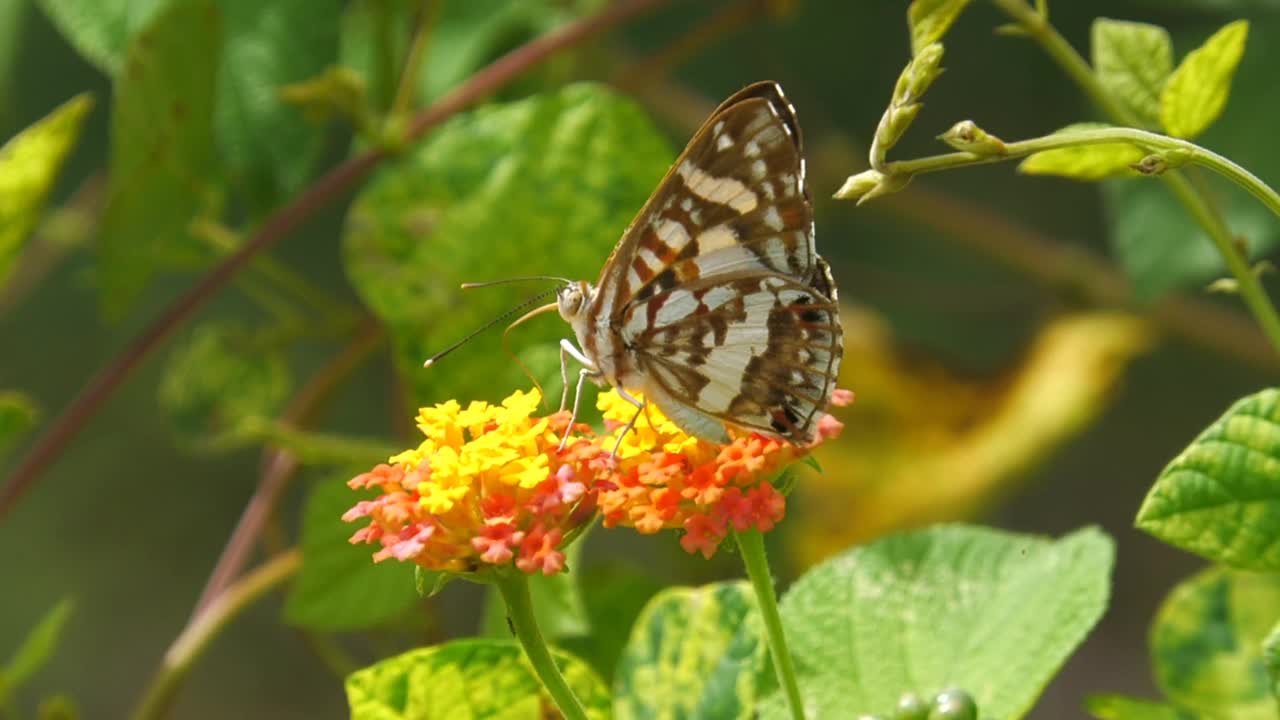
[{"x": 715, "y": 302}]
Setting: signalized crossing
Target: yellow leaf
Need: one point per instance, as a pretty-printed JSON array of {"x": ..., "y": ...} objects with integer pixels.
[
  {"x": 1197, "y": 91},
  {"x": 29, "y": 165},
  {"x": 930, "y": 20},
  {"x": 1084, "y": 162}
]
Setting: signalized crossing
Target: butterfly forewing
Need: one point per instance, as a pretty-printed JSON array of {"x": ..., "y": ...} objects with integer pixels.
[{"x": 715, "y": 303}]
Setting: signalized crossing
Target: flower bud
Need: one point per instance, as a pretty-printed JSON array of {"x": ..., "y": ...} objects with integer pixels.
[{"x": 966, "y": 136}]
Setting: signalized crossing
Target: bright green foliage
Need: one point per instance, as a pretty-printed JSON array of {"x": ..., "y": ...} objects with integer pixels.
[
  {"x": 29, "y": 165},
  {"x": 466, "y": 679},
  {"x": 694, "y": 652},
  {"x": 1220, "y": 497},
  {"x": 992, "y": 612},
  {"x": 465, "y": 37},
  {"x": 36, "y": 649},
  {"x": 1271, "y": 659},
  {"x": 1083, "y": 162},
  {"x": 1132, "y": 61},
  {"x": 557, "y": 602},
  {"x": 1206, "y": 644},
  {"x": 101, "y": 29},
  {"x": 221, "y": 379},
  {"x": 161, "y": 149},
  {"x": 1161, "y": 248},
  {"x": 543, "y": 185},
  {"x": 17, "y": 415},
  {"x": 1197, "y": 90},
  {"x": 268, "y": 148},
  {"x": 1120, "y": 707},
  {"x": 930, "y": 20},
  {"x": 339, "y": 587}
]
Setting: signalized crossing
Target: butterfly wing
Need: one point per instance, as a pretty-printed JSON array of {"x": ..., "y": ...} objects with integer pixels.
[
  {"x": 735, "y": 200},
  {"x": 756, "y": 350}
]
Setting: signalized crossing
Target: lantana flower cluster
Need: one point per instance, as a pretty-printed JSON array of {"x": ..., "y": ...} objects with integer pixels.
[{"x": 491, "y": 486}]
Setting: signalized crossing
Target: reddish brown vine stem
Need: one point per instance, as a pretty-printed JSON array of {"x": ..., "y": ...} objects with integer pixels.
[{"x": 321, "y": 192}]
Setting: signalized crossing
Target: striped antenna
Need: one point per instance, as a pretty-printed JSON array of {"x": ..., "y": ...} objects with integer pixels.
[{"x": 504, "y": 316}]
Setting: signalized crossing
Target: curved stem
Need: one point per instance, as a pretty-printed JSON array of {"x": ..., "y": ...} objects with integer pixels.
[
  {"x": 514, "y": 587},
  {"x": 751, "y": 545},
  {"x": 195, "y": 637},
  {"x": 286, "y": 220}
]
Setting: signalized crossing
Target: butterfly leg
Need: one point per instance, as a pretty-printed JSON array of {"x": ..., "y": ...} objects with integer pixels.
[
  {"x": 640, "y": 407},
  {"x": 588, "y": 371}
]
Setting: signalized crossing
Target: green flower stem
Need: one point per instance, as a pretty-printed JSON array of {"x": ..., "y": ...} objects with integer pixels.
[
  {"x": 1250, "y": 288},
  {"x": 205, "y": 626},
  {"x": 751, "y": 545},
  {"x": 514, "y": 587},
  {"x": 1037, "y": 26}
]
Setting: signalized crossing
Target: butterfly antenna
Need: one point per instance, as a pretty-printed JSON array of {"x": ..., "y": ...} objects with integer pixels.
[
  {"x": 504, "y": 281},
  {"x": 504, "y": 316}
]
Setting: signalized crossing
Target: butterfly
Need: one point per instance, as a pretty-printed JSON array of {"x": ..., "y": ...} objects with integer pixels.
[{"x": 715, "y": 305}]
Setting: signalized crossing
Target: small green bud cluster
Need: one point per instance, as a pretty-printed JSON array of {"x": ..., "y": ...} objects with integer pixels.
[
  {"x": 950, "y": 704},
  {"x": 912, "y": 84}
]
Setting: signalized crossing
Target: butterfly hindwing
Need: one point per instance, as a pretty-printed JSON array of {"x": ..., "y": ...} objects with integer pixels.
[{"x": 760, "y": 351}]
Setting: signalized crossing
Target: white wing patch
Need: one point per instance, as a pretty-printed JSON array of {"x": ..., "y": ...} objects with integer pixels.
[{"x": 722, "y": 190}]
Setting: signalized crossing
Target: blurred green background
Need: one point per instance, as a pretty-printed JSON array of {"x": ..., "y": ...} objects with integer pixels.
[{"x": 950, "y": 288}]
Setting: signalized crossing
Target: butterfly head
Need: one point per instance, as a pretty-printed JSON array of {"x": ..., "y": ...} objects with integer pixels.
[{"x": 572, "y": 301}]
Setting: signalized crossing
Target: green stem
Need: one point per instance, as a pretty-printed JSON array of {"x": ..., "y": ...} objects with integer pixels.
[
  {"x": 751, "y": 545},
  {"x": 515, "y": 592},
  {"x": 406, "y": 94},
  {"x": 1255, "y": 297},
  {"x": 205, "y": 626}
]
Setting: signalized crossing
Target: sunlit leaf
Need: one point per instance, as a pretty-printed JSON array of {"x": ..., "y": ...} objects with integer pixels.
[
  {"x": 29, "y": 165},
  {"x": 267, "y": 146},
  {"x": 1132, "y": 61},
  {"x": 918, "y": 421},
  {"x": 1220, "y": 497},
  {"x": 36, "y": 649},
  {"x": 543, "y": 185},
  {"x": 1084, "y": 162},
  {"x": 1120, "y": 707},
  {"x": 466, "y": 679},
  {"x": 930, "y": 19},
  {"x": 1206, "y": 643},
  {"x": 694, "y": 652},
  {"x": 161, "y": 149},
  {"x": 101, "y": 29},
  {"x": 220, "y": 378},
  {"x": 339, "y": 587},
  {"x": 1197, "y": 90},
  {"x": 17, "y": 415},
  {"x": 993, "y": 613},
  {"x": 1271, "y": 659}
]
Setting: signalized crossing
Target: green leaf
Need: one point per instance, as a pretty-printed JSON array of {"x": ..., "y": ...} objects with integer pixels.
[
  {"x": 14, "y": 16},
  {"x": 339, "y": 587},
  {"x": 1161, "y": 248},
  {"x": 1271, "y": 659},
  {"x": 268, "y": 147},
  {"x": 1119, "y": 707},
  {"x": 466, "y": 679},
  {"x": 1206, "y": 643},
  {"x": 1197, "y": 91},
  {"x": 36, "y": 648},
  {"x": 18, "y": 414},
  {"x": 223, "y": 378},
  {"x": 1132, "y": 60},
  {"x": 1220, "y": 497},
  {"x": 1084, "y": 162},
  {"x": 991, "y": 612},
  {"x": 557, "y": 603},
  {"x": 100, "y": 30},
  {"x": 161, "y": 150},
  {"x": 694, "y": 652},
  {"x": 543, "y": 185},
  {"x": 930, "y": 19},
  {"x": 29, "y": 165}
]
